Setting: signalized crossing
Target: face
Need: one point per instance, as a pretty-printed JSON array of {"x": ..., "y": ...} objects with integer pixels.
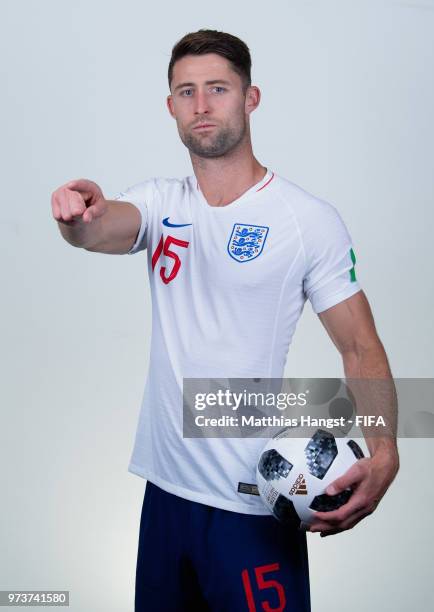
[{"x": 209, "y": 105}]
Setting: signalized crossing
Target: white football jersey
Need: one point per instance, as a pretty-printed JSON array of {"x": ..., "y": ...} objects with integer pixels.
[{"x": 228, "y": 286}]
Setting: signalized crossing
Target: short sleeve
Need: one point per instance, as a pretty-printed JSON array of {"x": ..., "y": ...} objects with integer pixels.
[
  {"x": 330, "y": 275},
  {"x": 141, "y": 195}
]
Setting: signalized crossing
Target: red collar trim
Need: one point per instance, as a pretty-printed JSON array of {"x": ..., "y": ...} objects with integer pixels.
[{"x": 267, "y": 183}]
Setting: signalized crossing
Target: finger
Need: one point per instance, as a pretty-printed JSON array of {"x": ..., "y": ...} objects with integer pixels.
[
  {"x": 89, "y": 199},
  {"x": 82, "y": 185},
  {"x": 64, "y": 206},
  {"x": 90, "y": 191},
  {"x": 77, "y": 205},
  {"x": 349, "y": 523},
  {"x": 319, "y": 526},
  {"x": 304, "y": 526},
  {"x": 89, "y": 214},
  {"x": 324, "y": 534},
  {"x": 71, "y": 204},
  {"x": 55, "y": 207},
  {"x": 346, "y": 525},
  {"x": 98, "y": 207},
  {"x": 86, "y": 195},
  {"x": 356, "y": 518},
  {"x": 351, "y": 477},
  {"x": 356, "y": 503}
]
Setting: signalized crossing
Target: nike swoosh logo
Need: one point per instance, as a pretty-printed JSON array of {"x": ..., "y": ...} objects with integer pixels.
[{"x": 167, "y": 223}]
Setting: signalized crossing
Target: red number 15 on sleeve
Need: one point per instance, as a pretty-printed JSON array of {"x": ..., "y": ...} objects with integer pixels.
[{"x": 164, "y": 247}]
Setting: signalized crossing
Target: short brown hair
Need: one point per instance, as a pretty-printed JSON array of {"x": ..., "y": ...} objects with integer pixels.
[{"x": 213, "y": 41}]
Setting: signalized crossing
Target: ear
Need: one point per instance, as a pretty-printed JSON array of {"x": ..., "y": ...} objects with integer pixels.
[
  {"x": 253, "y": 98},
  {"x": 170, "y": 105}
]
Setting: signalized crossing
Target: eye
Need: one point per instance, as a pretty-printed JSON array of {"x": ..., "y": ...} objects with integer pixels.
[
  {"x": 221, "y": 89},
  {"x": 185, "y": 92}
]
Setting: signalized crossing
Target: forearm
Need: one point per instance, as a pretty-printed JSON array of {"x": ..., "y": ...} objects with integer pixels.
[
  {"x": 87, "y": 235},
  {"x": 370, "y": 379},
  {"x": 81, "y": 234}
]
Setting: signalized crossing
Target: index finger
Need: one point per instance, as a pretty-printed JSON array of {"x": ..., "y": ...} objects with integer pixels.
[
  {"x": 354, "y": 504},
  {"x": 81, "y": 185}
]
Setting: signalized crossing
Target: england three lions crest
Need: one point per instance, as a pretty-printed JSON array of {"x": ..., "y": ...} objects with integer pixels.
[{"x": 247, "y": 241}]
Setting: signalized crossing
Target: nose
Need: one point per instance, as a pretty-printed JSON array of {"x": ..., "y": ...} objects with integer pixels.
[{"x": 201, "y": 102}]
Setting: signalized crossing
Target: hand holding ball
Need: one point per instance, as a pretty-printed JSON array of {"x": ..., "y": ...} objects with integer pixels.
[{"x": 293, "y": 473}]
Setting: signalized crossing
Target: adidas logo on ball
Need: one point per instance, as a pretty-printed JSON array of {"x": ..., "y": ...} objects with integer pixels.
[{"x": 299, "y": 487}]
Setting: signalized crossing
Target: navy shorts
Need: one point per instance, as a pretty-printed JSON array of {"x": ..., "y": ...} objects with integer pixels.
[{"x": 194, "y": 557}]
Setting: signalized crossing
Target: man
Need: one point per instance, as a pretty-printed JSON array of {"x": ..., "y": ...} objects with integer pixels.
[{"x": 232, "y": 250}]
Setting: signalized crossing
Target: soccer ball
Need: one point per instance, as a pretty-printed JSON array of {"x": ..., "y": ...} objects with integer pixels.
[{"x": 293, "y": 473}]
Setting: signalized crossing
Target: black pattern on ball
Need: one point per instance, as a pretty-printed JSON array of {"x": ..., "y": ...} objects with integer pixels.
[
  {"x": 284, "y": 511},
  {"x": 320, "y": 452},
  {"x": 272, "y": 465},
  {"x": 326, "y": 503},
  {"x": 356, "y": 449}
]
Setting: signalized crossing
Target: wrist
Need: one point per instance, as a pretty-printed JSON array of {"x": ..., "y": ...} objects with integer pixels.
[{"x": 385, "y": 452}]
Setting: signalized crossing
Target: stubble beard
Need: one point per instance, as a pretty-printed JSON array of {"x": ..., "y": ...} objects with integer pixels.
[{"x": 217, "y": 143}]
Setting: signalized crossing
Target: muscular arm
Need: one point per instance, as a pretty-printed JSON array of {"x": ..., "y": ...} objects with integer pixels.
[
  {"x": 351, "y": 327},
  {"x": 118, "y": 229}
]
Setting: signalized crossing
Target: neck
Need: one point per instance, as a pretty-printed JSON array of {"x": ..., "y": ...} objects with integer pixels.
[{"x": 224, "y": 179}]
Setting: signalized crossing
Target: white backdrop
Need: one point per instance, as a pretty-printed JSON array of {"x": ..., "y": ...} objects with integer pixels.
[{"x": 346, "y": 112}]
